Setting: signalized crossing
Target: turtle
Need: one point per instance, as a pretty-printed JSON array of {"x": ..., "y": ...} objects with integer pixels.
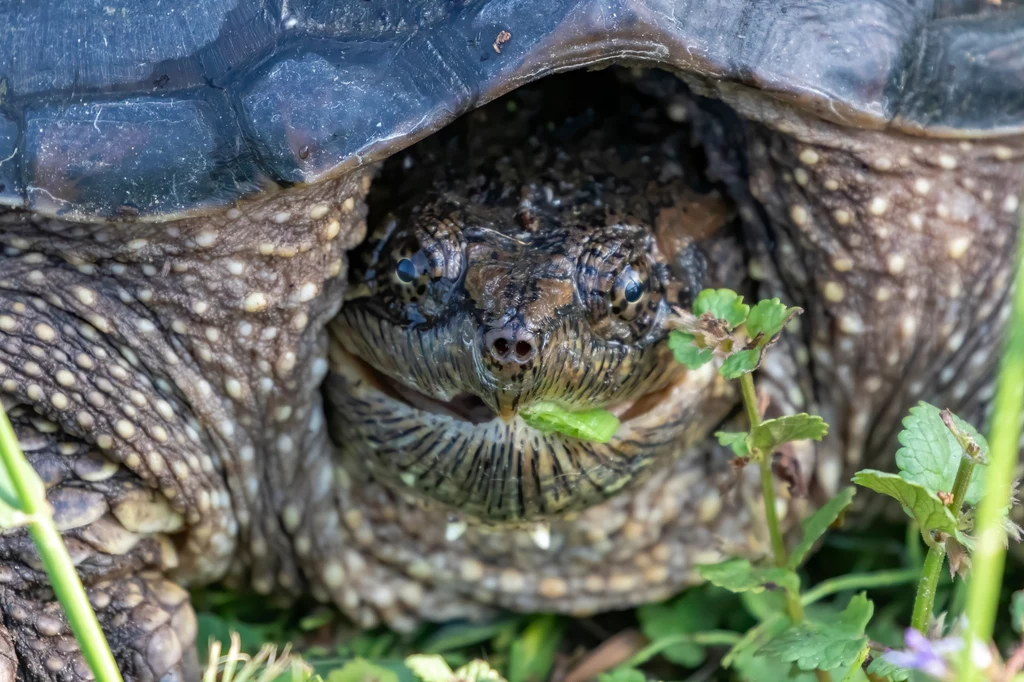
[{"x": 209, "y": 332}]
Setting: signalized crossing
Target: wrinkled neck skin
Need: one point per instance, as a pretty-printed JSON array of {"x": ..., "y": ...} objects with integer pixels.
[{"x": 479, "y": 296}]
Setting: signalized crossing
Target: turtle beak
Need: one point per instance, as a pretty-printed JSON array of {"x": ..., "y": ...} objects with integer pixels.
[{"x": 506, "y": 406}]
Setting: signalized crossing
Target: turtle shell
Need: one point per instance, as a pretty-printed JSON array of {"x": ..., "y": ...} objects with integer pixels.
[{"x": 152, "y": 111}]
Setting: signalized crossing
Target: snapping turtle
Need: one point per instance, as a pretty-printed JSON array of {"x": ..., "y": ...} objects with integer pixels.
[{"x": 184, "y": 182}]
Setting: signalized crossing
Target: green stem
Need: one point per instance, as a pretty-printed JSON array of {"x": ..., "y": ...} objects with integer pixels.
[
  {"x": 925, "y": 599},
  {"x": 960, "y": 484},
  {"x": 708, "y": 638},
  {"x": 778, "y": 546},
  {"x": 796, "y": 610},
  {"x": 750, "y": 400},
  {"x": 990, "y": 551},
  {"x": 771, "y": 515},
  {"x": 924, "y": 602},
  {"x": 858, "y": 581},
  {"x": 54, "y": 556}
]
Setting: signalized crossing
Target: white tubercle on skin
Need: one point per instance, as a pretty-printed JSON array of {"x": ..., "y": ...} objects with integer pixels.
[
  {"x": 541, "y": 536},
  {"x": 454, "y": 530}
]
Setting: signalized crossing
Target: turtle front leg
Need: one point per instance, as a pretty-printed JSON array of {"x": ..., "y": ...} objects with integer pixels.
[
  {"x": 148, "y": 620},
  {"x": 165, "y": 378},
  {"x": 121, "y": 537}
]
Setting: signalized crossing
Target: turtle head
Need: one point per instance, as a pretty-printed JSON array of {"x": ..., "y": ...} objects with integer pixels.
[
  {"x": 460, "y": 304},
  {"x": 462, "y": 315}
]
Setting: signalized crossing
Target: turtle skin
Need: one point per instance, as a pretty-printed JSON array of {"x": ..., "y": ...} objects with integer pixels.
[{"x": 164, "y": 316}]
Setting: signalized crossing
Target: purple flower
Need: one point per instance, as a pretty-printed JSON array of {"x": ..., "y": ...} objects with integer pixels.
[{"x": 925, "y": 655}]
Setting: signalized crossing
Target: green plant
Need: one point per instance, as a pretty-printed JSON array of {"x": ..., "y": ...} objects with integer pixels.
[{"x": 944, "y": 476}]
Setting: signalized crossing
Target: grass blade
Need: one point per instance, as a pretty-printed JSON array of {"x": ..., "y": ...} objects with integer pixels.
[{"x": 54, "y": 555}]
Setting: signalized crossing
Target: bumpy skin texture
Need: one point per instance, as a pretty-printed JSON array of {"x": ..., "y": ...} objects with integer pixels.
[
  {"x": 166, "y": 378},
  {"x": 172, "y": 370}
]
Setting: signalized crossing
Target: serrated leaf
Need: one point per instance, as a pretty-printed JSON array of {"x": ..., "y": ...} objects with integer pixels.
[
  {"x": 686, "y": 352},
  {"x": 931, "y": 453},
  {"x": 739, "y": 363},
  {"x": 735, "y": 441},
  {"x": 769, "y": 317},
  {"x": 361, "y": 670},
  {"x": 592, "y": 425},
  {"x": 883, "y": 668},
  {"x": 695, "y": 610},
  {"x": 622, "y": 675},
  {"x": 754, "y": 638},
  {"x": 724, "y": 304},
  {"x": 752, "y": 665},
  {"x": 738, "y": 575},
  {"x": 918, "y": 502},
  {"x": 1017, "y": 611},
  {"x": 532, "y": 654},
  {"x": 815, "y": 525},
  {"x": 816, "y": 645},
  {"x": 772, "y": 433}
]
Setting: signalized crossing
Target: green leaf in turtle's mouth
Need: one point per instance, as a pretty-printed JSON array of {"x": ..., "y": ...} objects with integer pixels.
[{"x": 594, "y": 425}]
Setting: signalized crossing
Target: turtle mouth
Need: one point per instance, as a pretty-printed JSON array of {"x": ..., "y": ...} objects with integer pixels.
[
  {"x": 460, "y": 455},
  {"x": 471, "y": 409},
  {"x": 466, "y": 407}
]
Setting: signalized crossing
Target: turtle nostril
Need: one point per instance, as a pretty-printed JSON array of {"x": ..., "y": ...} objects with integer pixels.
[
  {"x": 510, "y": 345},
  {"x": 501, "y": 347}
]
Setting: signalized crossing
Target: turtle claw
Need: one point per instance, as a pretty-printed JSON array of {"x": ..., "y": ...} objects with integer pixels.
[{"x": 148, "y": 622}]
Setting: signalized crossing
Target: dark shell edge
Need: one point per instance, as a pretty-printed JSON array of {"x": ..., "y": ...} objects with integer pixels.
[{"x": 309, "y": 105}]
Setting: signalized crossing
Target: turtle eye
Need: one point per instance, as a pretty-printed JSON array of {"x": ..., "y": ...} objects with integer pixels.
[
  {"x": 411, "y": 269},
  {"x": 633, "y": 290},
  {"x": 405, "y": 271},
  {"x": 629, "y": 289}
]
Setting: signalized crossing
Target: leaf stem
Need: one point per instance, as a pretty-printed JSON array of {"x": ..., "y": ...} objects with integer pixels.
[
  {"x": 960, "y": 484},
  {"x": 793, "y": 606},
  {"x": 707, "y": 638},
  {"x": 754, "y": 416},
  {"x": 924, "y": 602},
  {"x": 750, "y": 400},
  {"x": 54, "y": 556},
  {"x": 858, "y": 581},
  {"x": 990, "y": 551},
  {"x": 925, "y": 599}
]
